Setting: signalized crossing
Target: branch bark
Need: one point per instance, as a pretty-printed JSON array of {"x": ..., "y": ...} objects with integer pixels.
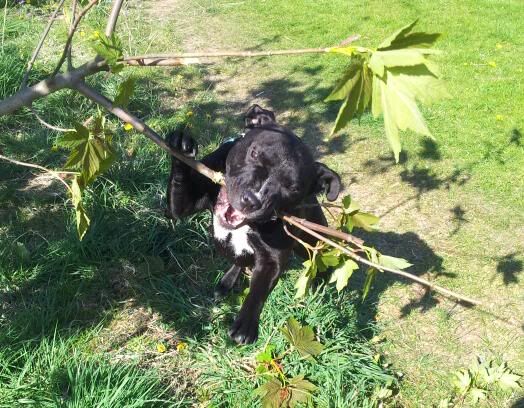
[
  {"x": 113, "y": 17},
  {"x": 358, "y": 258},
  {"x": 26, "y": 96},
  {"x": 53, "y": 173},
  {"x": 141, "y": 127},
  {"x": 71, "y": 35},
  {"x": 40, "y": 44}
]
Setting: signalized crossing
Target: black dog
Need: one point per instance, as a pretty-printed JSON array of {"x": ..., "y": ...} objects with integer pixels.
[{"x": 269, "y": 171}]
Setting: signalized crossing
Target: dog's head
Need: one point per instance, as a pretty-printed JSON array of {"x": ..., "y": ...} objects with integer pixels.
[{"x": 270, "y": 171}]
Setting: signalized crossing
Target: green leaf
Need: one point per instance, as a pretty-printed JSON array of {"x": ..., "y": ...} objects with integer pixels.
[
  {"x": 82, "y": 220},
  {"x": 330, "y": 259},
  {"x": 349, "y": 107},
  {"x": 376, "y": 64},
  {"x": 110, "y": 49},
  {"x": 397, "y": 35},
  {"x": 305, "y": 279},
  {"x": 301, "y": 338},
  {"x": 509, "y": 381},
  {"x": 389, "y": 121},
  {"x": 270, "y": 393},
  {"x": 370, "y": 276},
  {"x": 347, "y": 83},
  {"x": 300, "y": 390},
  {"x": 125, "y": 92},
  {"x": 392, "y": 262},
  {"x": 419, "y": 82},
  {"x": 266, "y": 356},
  {"x": 462, "y": 381},
  {"x": 376, "y": 98},
  {"x": 364, "y": 220},
  {"x": 342, "y": 274},
  {"x": 397, "y": 58},
  {"x": 477, "y": 394},
  {"x": 91, "y": 155}
]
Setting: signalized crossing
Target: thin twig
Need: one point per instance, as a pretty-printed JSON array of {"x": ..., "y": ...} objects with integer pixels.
[
  {"x": 141, "y": 127},
  {"x": 48, "y": 125},
  {"x": 222, "y": 54},
  {"x": 40, "y": 43},
  {"x": 70, "y": 49},
  {"x": 3, "y": 25},
  {"x": 53, "y": 173},
  {"x": 437, "y": 288},
  {"x": 71, "y": 35},
  {"x": 303, "y": 243}
]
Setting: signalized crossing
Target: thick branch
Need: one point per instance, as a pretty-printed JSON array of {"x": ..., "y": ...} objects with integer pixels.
[
  {"x": 41, "y": 43},
  {"x": 140, "y": 126},
  {"x": 325, "y": 230},
  {"x": 358, "y": 258},
  {"x": 26, "y": 96},
  {"x": 71, "y": 35}
]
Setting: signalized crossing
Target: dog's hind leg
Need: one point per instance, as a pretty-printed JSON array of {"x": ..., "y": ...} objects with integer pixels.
[{"x": 227, "y": 282}]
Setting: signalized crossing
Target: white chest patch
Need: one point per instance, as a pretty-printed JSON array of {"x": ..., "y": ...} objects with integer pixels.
[{"x": 237, "y": 238}]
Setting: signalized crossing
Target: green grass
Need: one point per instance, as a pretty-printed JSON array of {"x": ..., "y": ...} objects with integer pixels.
[{"x": 80, "y": 321}]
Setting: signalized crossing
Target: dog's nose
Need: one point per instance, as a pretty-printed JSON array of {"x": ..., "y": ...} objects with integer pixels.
[{"x": 249, "y": 201}]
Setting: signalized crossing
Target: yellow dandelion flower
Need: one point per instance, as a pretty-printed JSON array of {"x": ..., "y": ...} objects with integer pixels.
[
  {"x": 128, "y": 127},
  {"x": 96, "y": 34},
  {"x": 499, "y": 46},
  {"x": 82, "y": 33},
  {"x": 161, "y": 348},
  {"x": 492, "y": 64},
  {"x": 190, "y": 113},
  {"x": 181, "y": 346},
  {"x": 500, "y": 118}
]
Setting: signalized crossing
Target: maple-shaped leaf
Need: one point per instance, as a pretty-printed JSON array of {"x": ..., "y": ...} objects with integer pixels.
[
  {"x": 300, "y": 390},
  {"x": 271, "y": 393},
  {"x": 301, "y": 338},
  {"x": 392, "y": 262},
  {"x": 342, "y": 274},
  {"x": 82, "y": 220}
]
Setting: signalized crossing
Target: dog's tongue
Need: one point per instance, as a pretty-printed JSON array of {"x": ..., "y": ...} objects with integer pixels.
[{"x": 228, "y": 215}]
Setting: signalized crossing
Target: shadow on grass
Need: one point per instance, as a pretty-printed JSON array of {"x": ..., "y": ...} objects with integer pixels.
[
  {"x": 425, "y": 262},
  {"x": 509, "y": 266}
]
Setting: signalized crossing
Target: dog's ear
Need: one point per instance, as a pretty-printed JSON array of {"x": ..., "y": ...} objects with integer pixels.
[
  {"x": 327, "y": 181},
  {"x": 257, "y": 116}
]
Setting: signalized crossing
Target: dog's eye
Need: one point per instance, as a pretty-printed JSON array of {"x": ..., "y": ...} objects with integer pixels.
[{"x": 254, "y": 154}]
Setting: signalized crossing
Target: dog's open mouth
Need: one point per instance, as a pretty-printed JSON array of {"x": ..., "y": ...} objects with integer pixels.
[{"x": 229, "y": 216}]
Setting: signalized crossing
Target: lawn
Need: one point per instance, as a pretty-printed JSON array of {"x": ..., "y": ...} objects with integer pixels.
[{"x": 126, "y": 317}]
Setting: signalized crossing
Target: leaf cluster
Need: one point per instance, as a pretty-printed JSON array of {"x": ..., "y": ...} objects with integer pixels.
[
  {"x": 279, "y": 390},
  {"x": 110, "y": 49},
  {"x": 323, "y": 258},
  {"x": 91, "y": 152},
  {"x": 389, "y": 81},
  {"x": 475, "y": 382}
]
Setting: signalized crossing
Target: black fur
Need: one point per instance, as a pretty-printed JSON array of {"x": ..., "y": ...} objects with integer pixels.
[{"x": 267, "y": 172}]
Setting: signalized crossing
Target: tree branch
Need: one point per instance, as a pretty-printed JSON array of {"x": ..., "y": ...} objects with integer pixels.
[
  {"x": 141, "y": 127},
  {"x": 113, "y": 17},
  {"x": 71, "y": 35},
  {"x": 26, "y": 96},
  {"x": 53, "y": 173},
  {"x": 358, "y": 258},
  {"x": 48, "y": 125},
  {"x": 40, "y": 44},
  {"x": 70, "y": 49}
]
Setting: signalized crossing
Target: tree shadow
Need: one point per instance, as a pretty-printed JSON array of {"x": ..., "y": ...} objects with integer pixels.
[
  {"x": 425, "y": 262},
  {"x": 509, "y": 266},
  {"x": 519, "y": 403}
]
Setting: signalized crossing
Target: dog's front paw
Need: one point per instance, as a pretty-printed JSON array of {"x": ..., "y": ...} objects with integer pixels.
[
  {"x": 244, "y": 329},
  {"x": 183, "y": 142}
]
